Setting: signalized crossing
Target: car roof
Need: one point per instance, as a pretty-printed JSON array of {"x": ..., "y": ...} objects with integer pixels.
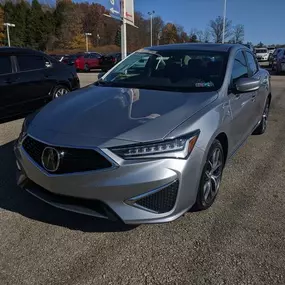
[
  {"x": 197, "y": 46},
  {"x": 20, "y": 50}
]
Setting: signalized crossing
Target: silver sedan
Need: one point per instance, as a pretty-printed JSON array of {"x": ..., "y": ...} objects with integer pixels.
[{"x": 150, "y": 139}]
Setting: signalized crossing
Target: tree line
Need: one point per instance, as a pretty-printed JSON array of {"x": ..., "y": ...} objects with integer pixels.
[{"x": 63, "y": 26}]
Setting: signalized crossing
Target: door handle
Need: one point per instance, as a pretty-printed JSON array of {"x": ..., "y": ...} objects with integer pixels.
[{"x": 253, "y": 98}]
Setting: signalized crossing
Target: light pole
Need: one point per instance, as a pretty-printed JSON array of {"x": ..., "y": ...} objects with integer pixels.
[
  {"x": 224, "y": 21},
  {"x": 8, "y": 25},
  {"x": 98, "y": 39},
  {"x": 86, "y": 37},
  {"x": 151, "y": 14}
]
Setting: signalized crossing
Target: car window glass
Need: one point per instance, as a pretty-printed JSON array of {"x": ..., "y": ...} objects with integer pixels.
[
  {"x": 86, "y": 56},
  {"x": 30, "y": 62},
  {"x": 240, "y": 68},
  {"x": 251, "y": 63},
  {"x": 5, "y": 65},
  {"x": 183, "y": 70}
]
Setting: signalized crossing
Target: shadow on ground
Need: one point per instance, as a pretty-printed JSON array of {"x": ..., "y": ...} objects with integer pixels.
[{"x": 14, "y": 199}]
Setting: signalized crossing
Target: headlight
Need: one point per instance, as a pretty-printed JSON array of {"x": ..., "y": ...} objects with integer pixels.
[
  {"x": 25, "y": 126},
  {"x": 175, "y": 148}
]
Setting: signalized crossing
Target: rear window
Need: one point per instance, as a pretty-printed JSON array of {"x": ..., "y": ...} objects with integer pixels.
[
  {"x": 30, "y": 62},
  {"x": 5, "y": 65}
]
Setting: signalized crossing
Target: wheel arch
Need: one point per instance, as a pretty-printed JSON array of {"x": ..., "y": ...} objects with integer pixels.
[{"x": 223, "y": 139}]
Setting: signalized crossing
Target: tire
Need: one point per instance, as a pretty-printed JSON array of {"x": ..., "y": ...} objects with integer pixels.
[
  {"x": 59, "y": 91},
  {"x": 210, "y": 178},
  {"x": 261, "y": 128}
]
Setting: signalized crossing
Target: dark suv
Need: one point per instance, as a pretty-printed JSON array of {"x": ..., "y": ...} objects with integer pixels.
[{"x": 29, "y": 79}]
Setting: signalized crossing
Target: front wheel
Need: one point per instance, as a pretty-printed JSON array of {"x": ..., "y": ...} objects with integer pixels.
[
  {"x": 261, "y": 128},
  {"x": 211, "y": 177}
]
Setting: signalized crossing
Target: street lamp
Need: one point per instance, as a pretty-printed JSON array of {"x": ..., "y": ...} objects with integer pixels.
[
  {"x": 98, "y": 39},
  {"x": 224, "y": 21},
  {"x": 8, "y": 25},
  {"x": 151, "y": 14},
  {"x": 86, "y": 37}
]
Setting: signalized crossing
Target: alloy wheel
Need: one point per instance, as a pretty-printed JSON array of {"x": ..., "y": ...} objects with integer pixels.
[
  {"x": 60, "y": 92},
  {"x": 214, "y": 169}
]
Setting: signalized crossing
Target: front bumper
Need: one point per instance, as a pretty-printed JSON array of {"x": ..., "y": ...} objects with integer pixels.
[{"x": 130, "y": 192}]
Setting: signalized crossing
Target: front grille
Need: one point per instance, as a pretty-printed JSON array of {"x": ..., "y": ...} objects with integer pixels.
[
  {"x": 68, "y": 202},
  {"x": 71, "y": 159},
  {"x": 162, "y": 201}
]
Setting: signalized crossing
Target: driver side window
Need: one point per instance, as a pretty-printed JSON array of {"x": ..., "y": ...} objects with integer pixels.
[{"x": 240, "y": 67}]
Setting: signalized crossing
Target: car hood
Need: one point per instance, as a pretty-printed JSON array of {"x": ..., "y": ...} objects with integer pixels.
[{"x": 136, "y": 115}]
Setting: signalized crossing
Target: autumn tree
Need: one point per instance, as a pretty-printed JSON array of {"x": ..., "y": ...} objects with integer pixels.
[
  {"x": 118, "y": 37},
  {"x": 216, "y": 29},
  {"x": 169, "y": 34},
  {"x": 157, "y": 26}
]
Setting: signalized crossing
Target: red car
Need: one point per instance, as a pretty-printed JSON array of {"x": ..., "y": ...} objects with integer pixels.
[{"x": 88, "y": 61}]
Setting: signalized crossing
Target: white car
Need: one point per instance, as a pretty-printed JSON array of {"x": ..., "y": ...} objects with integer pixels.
[
  {"x": 262, "y": 54},
  {"x": 271, "y": 50}
]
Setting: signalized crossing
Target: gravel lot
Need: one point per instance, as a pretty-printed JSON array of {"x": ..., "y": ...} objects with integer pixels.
[{"x": 240, "y": 240}]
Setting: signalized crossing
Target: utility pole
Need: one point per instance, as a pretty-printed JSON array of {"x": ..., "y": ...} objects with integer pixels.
[
  {"x": 151, "y": 15},
  {"x": 224, "y": 21},
  {"x": 8, "y": 25},
  {"x": 86, "y": 37}
]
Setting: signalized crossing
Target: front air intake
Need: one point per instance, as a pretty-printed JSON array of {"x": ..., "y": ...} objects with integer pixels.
[{"x": 161, "y": 201}]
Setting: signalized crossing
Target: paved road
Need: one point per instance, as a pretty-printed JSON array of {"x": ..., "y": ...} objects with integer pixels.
[{"x": 240, "y": 240}]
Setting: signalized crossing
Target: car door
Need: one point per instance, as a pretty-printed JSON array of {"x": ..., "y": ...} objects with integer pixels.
[
  {"x": 259, "y": 96},
  {"x": 34, "y": 80},
  {"x": 95, "y": 59},
  {"x": 9, "y": 94},
  {"x": 241, "y": 103}
]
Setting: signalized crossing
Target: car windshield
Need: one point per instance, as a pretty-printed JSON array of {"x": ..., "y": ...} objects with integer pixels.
[
  {"x": 172, "y": 70},
  {"x": 261, "y": 51}
]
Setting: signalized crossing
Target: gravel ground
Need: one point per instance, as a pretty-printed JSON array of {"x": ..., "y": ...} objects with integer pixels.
[{"x": 240, "y": 240}]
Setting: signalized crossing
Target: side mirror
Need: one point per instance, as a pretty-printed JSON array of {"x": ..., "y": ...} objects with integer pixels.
[
  {"x": 244, "y": 85},
  {"x": 101, "y": 74}
]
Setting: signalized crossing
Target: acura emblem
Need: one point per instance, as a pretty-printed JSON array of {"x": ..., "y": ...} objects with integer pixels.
[{"x": 50, "y": 159}]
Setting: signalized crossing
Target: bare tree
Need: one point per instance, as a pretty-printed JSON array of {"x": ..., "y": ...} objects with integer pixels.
[
  {"x": 216, "y": 29},
  {"x": 200, "y": 35},
  {"x": 206, "y": 36},
  {"x": 238, "y": 34}
]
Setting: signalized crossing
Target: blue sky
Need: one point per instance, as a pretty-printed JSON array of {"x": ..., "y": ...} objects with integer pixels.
[{"x": 264, "y": 20}]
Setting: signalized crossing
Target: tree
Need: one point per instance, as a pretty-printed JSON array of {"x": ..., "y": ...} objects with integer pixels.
[
  {"x": 169, "y": 34},
  {"x": 118, "y": 37},
  {"x": 260, "y": 45},
  {"x": 2, "y": 33},
  {"x": 193, "y": 38},
  {"x": 216, "y": 29},
  {"x": 238, "y": 34},
  {"x": 157, "y": 26}
]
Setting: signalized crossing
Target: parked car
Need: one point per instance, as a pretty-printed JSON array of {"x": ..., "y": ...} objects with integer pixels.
[
  {"x": 280, "y": 61},
  {"x": 110, "y": 60},
  {"x": 273, "y": 58},
  {"x": 146, "y": 143},
  {"x": 87, "y": 61},
  {"x": 262, "y": 54},
  {"x": 29, "y": 79},
  {"x": 271, "y": 50},
  {"x": 57, "y": 57},
  {"x": 70, "y": 59}
]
